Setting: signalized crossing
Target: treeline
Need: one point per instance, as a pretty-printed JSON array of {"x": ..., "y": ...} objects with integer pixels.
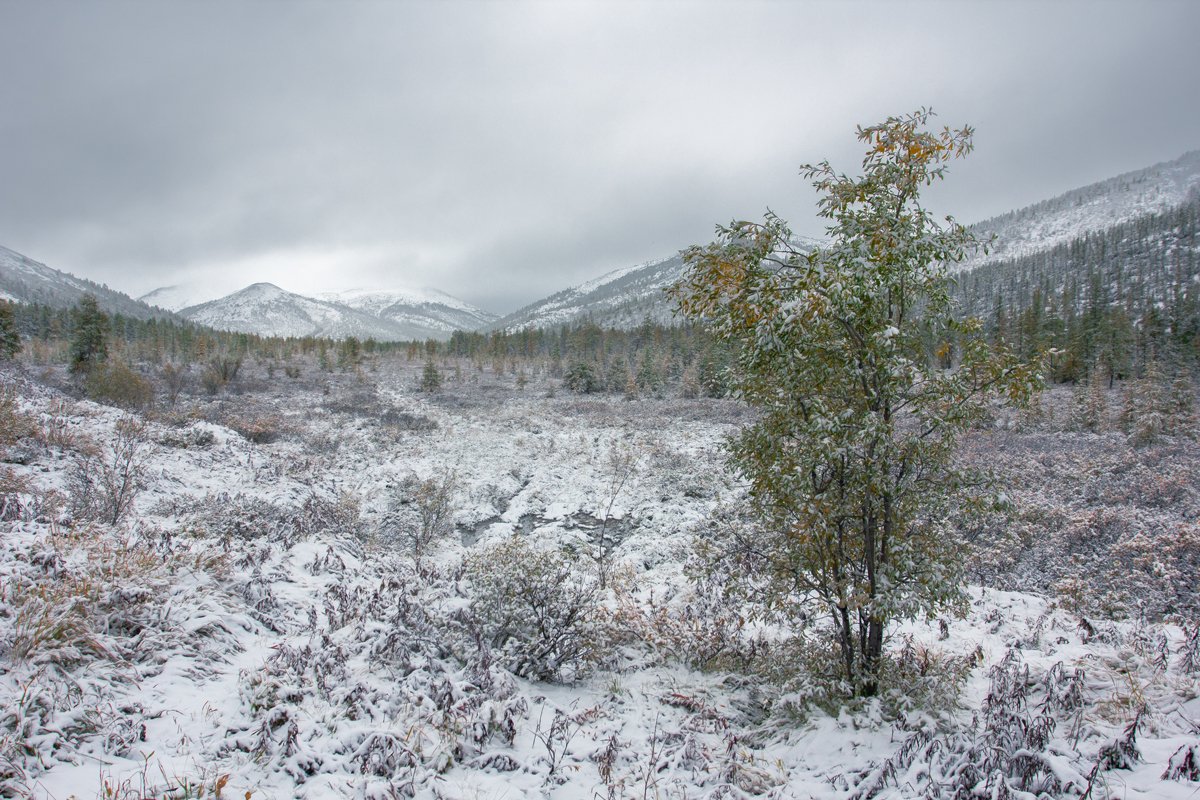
[
  {"x": 1114, "y": 301},
  {"x": 48, "y": 331},
  {"x": 589, "y": 358},
  {"x": 1108, "y": 304}
]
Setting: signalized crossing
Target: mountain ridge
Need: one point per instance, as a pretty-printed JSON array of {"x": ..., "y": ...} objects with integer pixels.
[
  {"x": 1088, "y": 209},
  {"x": 27, "y": 281},
  {"x": 623, "y": 297},
  {"x": 266, "y": 309}
]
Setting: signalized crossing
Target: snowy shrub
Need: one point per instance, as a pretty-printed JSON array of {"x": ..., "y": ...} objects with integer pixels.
[
  {"x": 922, "y": 680},
  {"x": 52, "y": 625},
  {"x": 15, "y": 424},
  {"x": 80, "y": 613},
  {"x": 581, "y": 378},
  {"x": 388, "y": 684},
  {"x": 103, "y": 486},
  {"x": 1184, "y": 764},
  {"x": 698, "y": 626},
  {"x": 259, "y": 428},
  {"x": 340, "y": 516},
  {"x": 355, "y": 404},
  {"x": 398, "y": 420},
  {"x": 422, "y": 513},
  {"x": 174, "y": 378},
  {"x": 115, "y": 383},
  {"x": 242, "y": 517},
  {"x": 84, "y": 590},
  {"x": 537, "y": 613},
  {"x": 55, "y": 426},
  {"x": 1008, "y": 750},
  {"x": 13, "y": 488},
  {"x": 1189, "y": 653},
  {"x": 1108, "y": 526},
  {"x": 220, "y": 372},
  {"x": 191, "y": 437}
]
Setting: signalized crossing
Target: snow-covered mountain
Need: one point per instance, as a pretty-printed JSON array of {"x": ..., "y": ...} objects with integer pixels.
[
  {"x": 622, "y": 298},
  {"x": 626, "y": 297},
  {"x": 267, "y": 310},
  {"x": 27, "y": 281},
  {"x": 179, "y": 296},
  {"x": 423, "y": 309},
  {"x": 1089, "y": 209}
]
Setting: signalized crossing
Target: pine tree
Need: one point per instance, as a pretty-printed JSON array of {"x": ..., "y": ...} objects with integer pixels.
[
  {"x": 10, "y": 338},
  {"x": 431, "y": 379},
  {"x": 89, "y": 342}
]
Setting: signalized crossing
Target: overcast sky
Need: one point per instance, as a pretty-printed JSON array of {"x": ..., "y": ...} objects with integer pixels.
[{"x": 501, "y": 151}]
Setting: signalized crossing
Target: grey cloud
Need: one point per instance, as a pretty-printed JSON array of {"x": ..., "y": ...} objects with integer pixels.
[{"x": 501, "y": 151}]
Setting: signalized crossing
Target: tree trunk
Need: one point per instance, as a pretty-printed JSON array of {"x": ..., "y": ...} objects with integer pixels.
[
  {"x": 846, "y": 639},
  {"x": 871, "y": 656}
]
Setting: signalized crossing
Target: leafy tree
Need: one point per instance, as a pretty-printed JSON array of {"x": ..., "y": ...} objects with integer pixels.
[
  {"x": 10, "y": 339},
  {"x": 850, "y": 464},
  {"x": 89, "y": 343}
]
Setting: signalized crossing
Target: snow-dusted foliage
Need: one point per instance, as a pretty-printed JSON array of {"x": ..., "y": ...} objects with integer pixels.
[
  {"x": 246, "y": 625},
  {"x": 1099, "y": 519}
]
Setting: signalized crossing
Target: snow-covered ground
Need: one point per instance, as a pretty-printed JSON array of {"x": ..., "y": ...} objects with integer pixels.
[{"x": 258, "y": 624}]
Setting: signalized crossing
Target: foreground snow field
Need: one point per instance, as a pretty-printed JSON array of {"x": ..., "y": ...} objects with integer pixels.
[{"x": 258, "y": 626}]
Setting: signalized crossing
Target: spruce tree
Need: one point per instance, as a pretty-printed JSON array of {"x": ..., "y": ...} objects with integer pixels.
[
  {"x": 431, "y": 379},
  {"x": 10, "y": 339},
  {"x": 89, "y": 342}
]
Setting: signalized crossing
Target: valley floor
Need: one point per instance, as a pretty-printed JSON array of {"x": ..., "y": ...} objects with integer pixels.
[{"x": 260, "y": 622}]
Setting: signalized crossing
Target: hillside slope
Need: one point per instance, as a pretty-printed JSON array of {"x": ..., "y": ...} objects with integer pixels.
[{"x": 27, "y": 281}]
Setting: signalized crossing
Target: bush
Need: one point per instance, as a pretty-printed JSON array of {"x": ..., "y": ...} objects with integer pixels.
[
  {"x": 14, "y": 423},
  {"x": 405, "y": 421},
  {"x": 421, "y": 513},
  {"x": 220, "y": 372},
  {"x": 262, "y": 429},
  {"x": 247, "y": 518},
  {"x": 115, "y": 383},
  {"x": 174, "y": 378},
  {"x": 104, "y": 487},
  {"x": 539, "y": 614}
]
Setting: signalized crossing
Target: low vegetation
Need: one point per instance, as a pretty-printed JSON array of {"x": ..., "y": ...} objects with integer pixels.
[{"x": 515, "y": 564}]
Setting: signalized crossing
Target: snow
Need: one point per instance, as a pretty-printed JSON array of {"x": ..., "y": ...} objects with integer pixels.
[
  {"x": 266, "y": 309},
  {"x": 376, "y": 300},
  {"x": 1091, "y": 208},
  {"x": 178, "y": 297},
  {"x": 269, "y": 652}
]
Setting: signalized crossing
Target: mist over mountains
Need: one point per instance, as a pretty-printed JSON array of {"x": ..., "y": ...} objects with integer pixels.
[{"x": 621, "y": 298}]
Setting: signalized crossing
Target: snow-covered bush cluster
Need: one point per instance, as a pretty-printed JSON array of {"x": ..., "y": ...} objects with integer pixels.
[
  {"x": 1106, "y": 524},
  {"x": 189, "y": 610}
]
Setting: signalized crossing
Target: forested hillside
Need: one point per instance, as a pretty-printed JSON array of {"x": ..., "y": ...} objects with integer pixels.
[{"x": 1114, "y": 300}]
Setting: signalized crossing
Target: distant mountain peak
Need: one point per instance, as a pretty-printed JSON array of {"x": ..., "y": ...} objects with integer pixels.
[
  {"x": 620, "y": 298},
  {"x": 266, "y": 309}
]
